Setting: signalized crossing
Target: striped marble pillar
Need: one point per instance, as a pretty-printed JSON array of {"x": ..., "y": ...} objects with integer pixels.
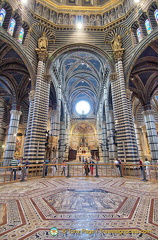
[
  {"x": 126, "y": 144},
  {"x": 138, "y": 139},
  {"x": 29, "y": 124},
  {"x": 99, "y": 132},
  {"x": 2, "y": 136},
  {"x": 67, "y": 137},
  {"x": 151, "y": 134},
  {"x": 53, "y": 123},
  {"x": 57, "y": 123},
  {"x": 104, "y": 141},
  {"x": 111, "y": 135},
  {"x": 62, "y": 142},
  {"x": 35, "y": 147},
  {"x": 11, "y": 136}
]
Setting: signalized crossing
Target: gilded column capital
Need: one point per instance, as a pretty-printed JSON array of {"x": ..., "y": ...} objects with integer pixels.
[
  {"x": 15, "y": 112},
  {"x": 118, "y": 54},
  {"x": 42, "y": 54},
  {"x": 148, "y": 112},
  {"x": 128, "y": 94},
  {"x": 116, "y": 45},
  {"x": 113, "y": 77},
  {"x": 31, "y": 95},
  {"x": 47, "y": 78}
]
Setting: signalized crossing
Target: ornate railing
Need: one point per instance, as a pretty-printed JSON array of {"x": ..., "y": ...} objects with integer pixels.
[{"x": 22, "y": 173}]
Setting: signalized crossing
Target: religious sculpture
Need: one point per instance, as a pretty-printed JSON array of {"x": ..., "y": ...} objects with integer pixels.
[
  {"x": 116, "y": 43},
  {"x": 46, "y": 13},
  {"x": 98, "y": 20},
  {"x": 66, "y": 19},
  {"x": 92, "y": 20},
  {"x": 43, "y": 42},
  {"x": 106, "y": 18},
  {"x": 53, "y": 17},
  {"x": 39, "y": 9},
  {"x": 86, "y": 20}
]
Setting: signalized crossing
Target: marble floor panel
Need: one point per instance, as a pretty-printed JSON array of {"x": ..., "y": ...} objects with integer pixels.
[{"x": 79, "y": 209}]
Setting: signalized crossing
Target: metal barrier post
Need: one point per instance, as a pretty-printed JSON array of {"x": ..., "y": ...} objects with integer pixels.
[
  {"x": 144, "y": 174},
  {"x": 96, "y": 167},
  {"x": 44, "y": 168},
  {"x": 22, "y": 174},
  {"x": 68, "y": 171}
]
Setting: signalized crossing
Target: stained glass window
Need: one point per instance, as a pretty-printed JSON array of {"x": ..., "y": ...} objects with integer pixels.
[
  {"x": 148, "y": 26},
  {"x": 21, "y": 35},
  {"x": 156, "y": 15},
  {"x": 11, "y": 26},
  {"x": 2, "y": 16},
  {"x": 139, "y": 35}
]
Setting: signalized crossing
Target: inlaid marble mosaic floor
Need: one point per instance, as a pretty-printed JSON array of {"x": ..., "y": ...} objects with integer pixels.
[{"x": 79, "y": 208}]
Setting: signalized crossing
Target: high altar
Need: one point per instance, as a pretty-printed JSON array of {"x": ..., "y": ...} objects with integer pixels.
[{"x": 83, "y": 150}]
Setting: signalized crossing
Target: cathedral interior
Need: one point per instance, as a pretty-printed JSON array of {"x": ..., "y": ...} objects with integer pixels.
[{"x": 79, "y": 78}]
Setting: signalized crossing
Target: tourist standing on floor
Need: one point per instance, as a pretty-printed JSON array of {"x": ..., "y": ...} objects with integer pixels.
[
  {"x": 86, "y": 167},
  {"x": 14, "y": 164},
  {"x": 63, "y": 167},
  {"x": 147, "y": 163},
  {"x": 46, "y": 161},
  {"x": 116, "y": 162},
  {"x": 91, "y": 166},
  {"x": 54, "y": 166}
]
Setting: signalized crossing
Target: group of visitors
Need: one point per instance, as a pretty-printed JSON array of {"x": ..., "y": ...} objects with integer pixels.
[
  {"x": 17, "y": 167},
  {"x": 89, "y": 166},
  {"x": 118, "y": 163},
  {"x": 143, "y": 166}
]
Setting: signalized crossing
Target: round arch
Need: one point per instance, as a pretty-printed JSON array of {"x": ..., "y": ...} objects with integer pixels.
[
  {"x": 14, "y": 44},
  {"x": 79, "y": 47},
  {"x": 141, "y": 47}
]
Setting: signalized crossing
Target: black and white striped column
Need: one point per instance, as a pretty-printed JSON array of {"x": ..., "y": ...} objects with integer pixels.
[
  {"x": 67, "y": 136},
  {"x": 57, "y": 118},
  {"x": 11, "y": 136},
  {"x": 126, "y": 144},
  {"x": 99, "y": 132},
  {"x": 29, "y": 124},
  {"x": 138, "y": 139},
  {"x": 111, "y": 135},
  {"x": 35, "y": 145},
  {"x": 61, "y": 155},
  {"x": 151, "y": 134},
  {"x": 2, "y": 136},
  {"x": 104, "y": 141}
]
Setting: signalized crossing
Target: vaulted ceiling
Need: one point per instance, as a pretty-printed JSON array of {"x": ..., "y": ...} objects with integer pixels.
[
  {"x": 82, "y": 78},
  {"x": 14, "y": 78},
  {"x": 144, "y": 76}
]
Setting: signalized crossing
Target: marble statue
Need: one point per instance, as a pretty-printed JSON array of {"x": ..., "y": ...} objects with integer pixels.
[
  {"x": 46, "y": 13},
  {"x": 43, "y": 42},
  {"x": 98, "y": 20},
  {"x": 53, "y": 17},
  {"x": 106, "y": 18},
  {"x": 39, "y": 9},
  {"x": 116, "y": 43}
]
